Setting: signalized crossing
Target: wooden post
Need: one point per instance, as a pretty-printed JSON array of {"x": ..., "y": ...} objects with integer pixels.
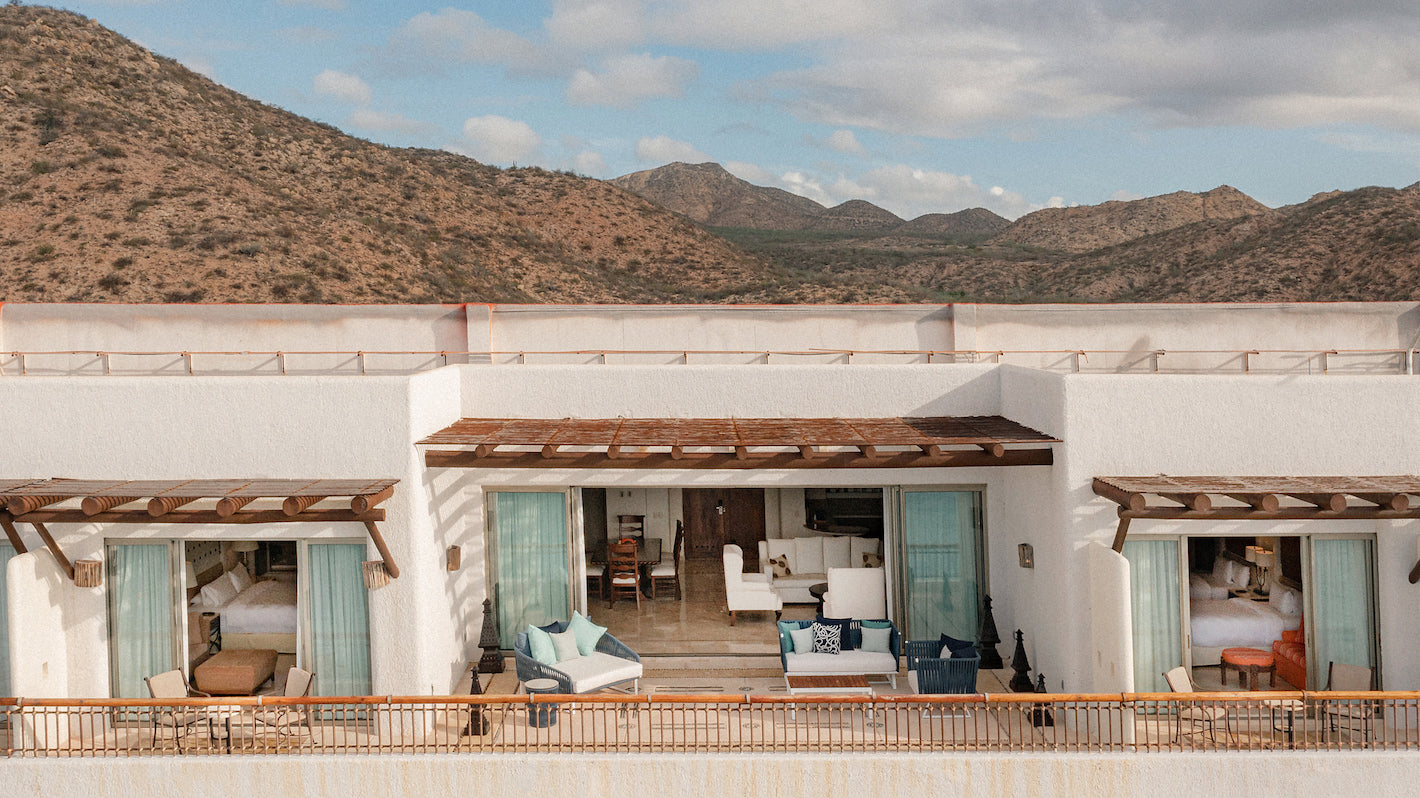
[
  {"x": 54, "y": 549},
  {"x": 362, "y": 504},
  {"x": 13, "y": 534},
  {"x": 1120, "y": 533},
  {"x": 384, "y": 550}
]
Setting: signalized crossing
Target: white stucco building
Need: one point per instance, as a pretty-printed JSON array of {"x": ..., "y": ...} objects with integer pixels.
[{"x": 112, "y": 394}]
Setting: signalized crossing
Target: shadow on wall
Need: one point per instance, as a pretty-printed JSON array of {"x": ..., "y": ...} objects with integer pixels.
[{"x": 456, "y": 510}]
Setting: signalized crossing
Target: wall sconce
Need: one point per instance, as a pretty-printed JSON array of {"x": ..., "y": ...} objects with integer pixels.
[
  {"x": 1027, "y": 555},
  {"x": 376, "y": 575},
  {"x": 454, "y": 558},
  {"x": 88, "y": 573}
]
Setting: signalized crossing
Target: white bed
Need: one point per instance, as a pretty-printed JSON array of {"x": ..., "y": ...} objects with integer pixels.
[
  {"x": 1216, "y": 624},
  {"x": 259, "y": 615}
]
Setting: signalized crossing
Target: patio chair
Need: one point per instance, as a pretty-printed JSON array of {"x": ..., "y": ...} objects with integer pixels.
[
  {"x": 623, "y": 572},
  {"x": 929, "y": 673},
  {"x": 178, "y": 721},
  {"x": 1199, "y": 719},
  {"x": 285, "y": 720},
  {"x": 669, "y": 571},
  {"x": 612, "y": 663},
  {"x": 1350, "y": 715}
]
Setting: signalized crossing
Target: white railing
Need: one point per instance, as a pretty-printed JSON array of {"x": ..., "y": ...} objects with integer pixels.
[{"x": 389, "y": 362}]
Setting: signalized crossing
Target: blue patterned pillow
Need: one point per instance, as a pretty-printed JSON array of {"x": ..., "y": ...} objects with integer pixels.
[{"x": 828, "y": 638}]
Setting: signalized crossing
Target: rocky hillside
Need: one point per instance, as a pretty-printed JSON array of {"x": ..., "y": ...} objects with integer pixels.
[
  {"x": 707, "y": 194},
  {"x": 126, "y": 177},
  {"x": 1090, "y": 227}
]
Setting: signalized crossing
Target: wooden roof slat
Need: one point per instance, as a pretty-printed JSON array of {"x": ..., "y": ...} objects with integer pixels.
[
  {"x": 193, "y": 488},
  {"x": 1321, "y": 497}
]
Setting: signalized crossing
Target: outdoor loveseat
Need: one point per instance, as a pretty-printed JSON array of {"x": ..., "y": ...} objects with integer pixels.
[
  {"x": 853, "y": 660},
  {"x": 612, "y": 663}
]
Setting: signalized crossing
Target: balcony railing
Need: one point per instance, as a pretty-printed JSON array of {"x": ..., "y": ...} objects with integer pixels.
[{"x": 1255, "y": 721}]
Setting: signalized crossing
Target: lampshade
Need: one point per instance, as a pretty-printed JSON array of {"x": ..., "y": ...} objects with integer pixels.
[
  {"x": 1252, "y": 553},
  {"x": 246, "y": 545},
  {"x": 190, "y": 574},
  {"x": 1266, "y": 558}
]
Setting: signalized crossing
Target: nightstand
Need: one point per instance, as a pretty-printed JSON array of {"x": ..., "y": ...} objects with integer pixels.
[{"x": 209, "y": 628}]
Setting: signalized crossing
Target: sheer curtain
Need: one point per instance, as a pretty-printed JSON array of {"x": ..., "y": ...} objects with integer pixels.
[
  {"x": 1156, "y": 618},
  {"x": 340, "y": 619},
  {"x": 1341, "y": 622},
  {"x": 140, "y": 615},
  {"x": 530, "y": 553},
  {"x": 6, "y": 552},
  {"x": 941, "y": 570}
]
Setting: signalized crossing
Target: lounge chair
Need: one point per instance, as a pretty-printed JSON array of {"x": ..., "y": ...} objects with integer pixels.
[{"x": 612, "y": 663}]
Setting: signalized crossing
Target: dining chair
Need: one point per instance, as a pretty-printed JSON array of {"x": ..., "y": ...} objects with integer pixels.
[
  {"x": 624, "y": 575},
  {"x": 177, "y": 721},
  {"x": 1350, "y": 716},
  {"x": 670, "y": 571},
  {"x": 1199, "y": 719},
  {"x": 287, "y": 719}
]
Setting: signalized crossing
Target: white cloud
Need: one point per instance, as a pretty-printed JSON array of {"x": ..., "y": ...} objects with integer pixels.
[
  {"x": 664, "y": 149},
  {"x": 341, "y": 86},
  {"x": 498, "y": 140},
  {"x": 589, "y": 162},
  {"x": 328, "y": 5},
  {"x": 454, "y": 36},
  {"x": 843, "y": 141},
  {"x": 750, "y": 172},
  {"x": 1125, "y": 195},
  {"x": 626, "y": 80},
  {"x": 199, "y": 64},
  {"x": 367, "y": 119}
]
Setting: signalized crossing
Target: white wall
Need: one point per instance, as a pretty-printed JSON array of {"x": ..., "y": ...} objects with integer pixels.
[{"x": 41, "y": 599}]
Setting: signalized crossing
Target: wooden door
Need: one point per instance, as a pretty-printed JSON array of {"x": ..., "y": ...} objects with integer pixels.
[{"x": 716, "y": 516}]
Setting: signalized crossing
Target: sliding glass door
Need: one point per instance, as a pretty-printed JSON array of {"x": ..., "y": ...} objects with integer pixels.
[
  {"x": 1156, "y": 618},
  {"x": 6, "y": 552},
  {"x": 531, "y": 564},
  {"x": 942, "y": 565},
  {"x": 339, "y": 618},
  {"x": 1341, "y": 623},
  {"x": 143, "y": 636}
]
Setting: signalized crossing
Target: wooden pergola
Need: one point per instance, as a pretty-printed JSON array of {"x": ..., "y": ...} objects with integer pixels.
[
  {"x": 738, "y": 443},
  {"x": 1222, "y": 498},
  {"x": 191, "y": 501}
]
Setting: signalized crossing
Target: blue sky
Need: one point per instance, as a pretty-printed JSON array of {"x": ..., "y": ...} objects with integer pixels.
[{"x": 917, "y": 105}]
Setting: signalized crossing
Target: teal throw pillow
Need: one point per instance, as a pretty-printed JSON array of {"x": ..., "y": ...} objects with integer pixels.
[
  {"x": 876, "y": 639},
  {"x": 877, "y": 624},
  {"x": 540, "y": 646},
  {"x": 803, "y": 639},
  {"x": 587, "y": 633}
]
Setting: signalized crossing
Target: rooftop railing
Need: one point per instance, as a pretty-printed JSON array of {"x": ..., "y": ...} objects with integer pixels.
[
  {"x": 391, "y": 362},
  {"x": 1145, "y": 723}
]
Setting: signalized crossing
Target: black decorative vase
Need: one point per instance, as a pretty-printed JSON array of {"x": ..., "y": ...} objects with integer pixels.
[
  {"x": 988, "y": 638},
  {"x": 1020, "y": 683},
  {"x": 1040, "y": 716},
  {"x": 492, "y": 659}
]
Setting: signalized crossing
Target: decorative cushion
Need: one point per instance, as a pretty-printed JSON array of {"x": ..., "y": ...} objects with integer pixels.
[
  {"x": 951, "y": 645},
  {"x": 876, "y": 624},
  {"x": 240, "y": 578},
  {"x": 836, "y": 553},
  {"x": 845, "y": 634},
  {"x": 877, "y": 639},
  {"x": 803, "y": 640},
  {"x": 599, "y": 670},
  {"x": 808, "y": 554},
  {"x": 872, "y": 560},
  {"x": 540, "y": 646},
  {"x": 587, "y": 633},
  {"x": 218, "y": 592},
  {"x": 565, "y": 644},
  {"x": 827, "y": 638},
  {"x": 780, "y": 565},
  {"x": 858, "y": 546}
]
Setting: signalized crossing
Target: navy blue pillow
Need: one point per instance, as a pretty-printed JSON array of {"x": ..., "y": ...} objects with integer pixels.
[
  {"x": 844, "y": 633},
  {"x": 954, "y": 645}
]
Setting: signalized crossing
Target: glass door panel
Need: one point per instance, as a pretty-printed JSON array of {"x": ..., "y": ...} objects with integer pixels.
[
  {"x": 142, "y": 632},
  {"x": 1341, "y": 623},
  {"x": 530, "y": 560},
  {"x": 340, "y": 619},
  {"x": 1156, "y": 619},
  {"x": 941, "y": 564}
]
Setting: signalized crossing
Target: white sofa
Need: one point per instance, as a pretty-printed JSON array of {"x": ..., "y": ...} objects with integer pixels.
[
  {"x": 746, "y": 592},
  {"x": 809, "y": 559},
  {"x": 859, "y": 593},
  {"x": 855, "y": 661}
]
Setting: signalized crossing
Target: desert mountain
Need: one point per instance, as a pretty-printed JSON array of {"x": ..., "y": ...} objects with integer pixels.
[
  {"x": 1090, "y": 227},
  {"x": 126, "y": 177},
  {"x": 707, "y": 194}
]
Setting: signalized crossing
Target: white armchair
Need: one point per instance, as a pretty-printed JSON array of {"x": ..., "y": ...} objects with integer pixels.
[
  {"x": 859, "y": 593},
  {"x": 747, "y": 591}
]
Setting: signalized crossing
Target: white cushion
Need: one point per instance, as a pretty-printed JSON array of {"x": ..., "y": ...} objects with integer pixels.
[
  {"x": 565, "y": 644},
  {"x": 624, "y": 580},
  {"x": 240, "y": 578},
  {"x": 856, "y": 593},
  {"x": 808, "y": 554},
  {"x": 857, "y": 547},
  {"x": 598, "y": 669},
  {"x": 218, "y": 592},
  {"x": 664, "y": 569},
  {"x": 776, "y": 548},
  {"x": 836, "y": 551},
  {"x": 848, "y": 662},
  {"x": 595, "y": 570},
  {"x": 798, "y": 580}
]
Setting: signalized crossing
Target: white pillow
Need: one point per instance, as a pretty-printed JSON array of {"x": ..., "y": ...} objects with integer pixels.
[
  {"x": 1286, "y": 601},
  {"x": 565, "y": 644},
  {"x": 803, "y": 640},
  {"x": 240, "y": 578},
  {"x": 1241, "y": 574},
  {"x": 1223, "y": 570},
  {"x": 218, "y": 592}
]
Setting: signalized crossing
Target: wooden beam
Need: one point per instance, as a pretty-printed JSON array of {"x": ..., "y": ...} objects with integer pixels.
[
  {"x": 93, "y": 505},
  {"x": 384, "y": 550},
  {"x": 993, "y": 449},
  {"x": 728, "y": 460},
  {"x": 53, "y": 547},
  {"x": 1193, "y": 501},
  {"x": 871, "y": 451},
  {"x": 741, "y": 452},
  {"x": 1415, "y": 573},
  {"x": 484, "y": 449},
  {"x": 363, "y": 504},
  {"x": 613, "y": 451},
  {"x": 1123, "y": 498},
  {"x": 294, "y": 505},
  {"x": 197, "y": 517},
  {"x": 162, "y": 505},
  {"x": 20, "y": 505},
  {"x": 1283, "y": 514},
  {"x": 550, "y": 450},
  {"x": 1390, "y": 501},
  {"x": 1120, "y": 533},
  {"x": 13, "y": 534},
  {"x": 230, "y": 504},
  {"x": 1263, "y": 502},
  {"x": 809, "y": 452},
  {"x": 1333, "y": 502},
  {"x": 677, "y": 452}
]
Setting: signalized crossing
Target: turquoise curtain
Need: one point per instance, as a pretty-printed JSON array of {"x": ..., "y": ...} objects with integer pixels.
[
  {"x": 1341, "y": 621},
  {"x": 340, "y": 619},
  {"x": 1157, "y": 620},
  {"x": 140, "y": 615},
  {"x": 942, "y": 543},
  {"x": 6, "y": 552},
  {"x": 530, "y": 560}
]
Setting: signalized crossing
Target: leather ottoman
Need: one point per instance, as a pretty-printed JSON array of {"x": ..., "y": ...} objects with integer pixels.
[{"x": 235, "y": 671}]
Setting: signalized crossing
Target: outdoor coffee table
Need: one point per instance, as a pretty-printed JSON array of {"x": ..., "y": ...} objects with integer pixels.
[{"x": 848, "y": 684}]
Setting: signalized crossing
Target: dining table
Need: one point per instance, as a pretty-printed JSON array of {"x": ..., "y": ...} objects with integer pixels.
[{"x": 648, "y": 552}]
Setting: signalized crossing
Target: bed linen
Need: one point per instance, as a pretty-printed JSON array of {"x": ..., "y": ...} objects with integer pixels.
[{"x": 1237, "y": 622}]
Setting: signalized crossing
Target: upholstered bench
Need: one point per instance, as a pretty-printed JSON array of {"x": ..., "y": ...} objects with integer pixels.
[
  {"x": 235, "y": 671},
  {"x": 1248, "y": 662}
]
